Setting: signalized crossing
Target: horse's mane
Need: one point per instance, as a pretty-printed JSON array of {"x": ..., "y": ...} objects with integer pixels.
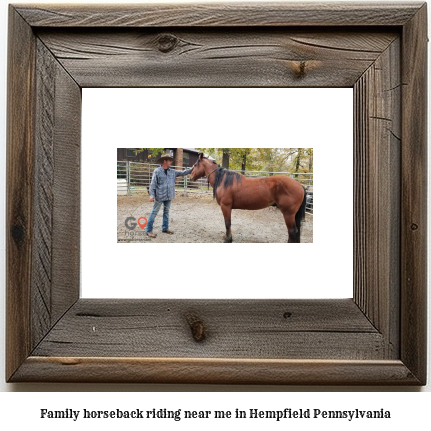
[{"x": 228, "y": 178}]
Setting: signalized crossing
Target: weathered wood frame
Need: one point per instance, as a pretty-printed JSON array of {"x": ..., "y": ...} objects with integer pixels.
[{"x": 379, "y": 337}]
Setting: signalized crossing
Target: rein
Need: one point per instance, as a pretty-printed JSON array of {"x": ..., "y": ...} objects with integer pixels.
[{"x": 208, "y": 177}]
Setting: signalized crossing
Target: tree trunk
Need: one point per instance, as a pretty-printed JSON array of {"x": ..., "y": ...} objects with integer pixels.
[
  {"x": 298, "y": 159},
  {"x": 225, "y": 162},
  {"x": 271, "y": 165},
  {"x": 244, "y": 163}
]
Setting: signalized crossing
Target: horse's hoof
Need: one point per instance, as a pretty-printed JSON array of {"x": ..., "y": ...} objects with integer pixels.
[{"x": 227, "y": 240}]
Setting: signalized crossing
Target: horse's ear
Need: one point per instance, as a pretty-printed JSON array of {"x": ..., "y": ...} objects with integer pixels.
[{"x": 201, "y": 155}]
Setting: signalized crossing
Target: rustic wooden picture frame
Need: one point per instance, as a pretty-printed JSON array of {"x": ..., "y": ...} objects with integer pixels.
[{"x": 378, "y": 337}]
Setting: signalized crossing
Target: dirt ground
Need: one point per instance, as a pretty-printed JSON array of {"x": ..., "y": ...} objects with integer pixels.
[{"x": 198, "y": 219}]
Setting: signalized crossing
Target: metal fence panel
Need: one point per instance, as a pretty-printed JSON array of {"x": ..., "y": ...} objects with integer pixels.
[{"x": 138, "y": 178}]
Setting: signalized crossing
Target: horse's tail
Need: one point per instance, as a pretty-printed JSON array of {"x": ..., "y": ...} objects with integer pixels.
[{"x": 300, "y": 215}]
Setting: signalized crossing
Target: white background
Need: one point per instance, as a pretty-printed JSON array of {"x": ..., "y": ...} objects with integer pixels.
[
  {"x": 318, "y": 118},
  {"x": 408, "y": 411},
  {"x": 412, "y": 410}
]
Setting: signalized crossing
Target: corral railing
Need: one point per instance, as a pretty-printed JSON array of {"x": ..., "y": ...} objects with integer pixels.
[{"x": 134, "y": 177}]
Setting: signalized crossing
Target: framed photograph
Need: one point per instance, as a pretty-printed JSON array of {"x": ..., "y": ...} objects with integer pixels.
[
  {"x": 209, "y": 196},
  {"x": 376, "y": 337}
]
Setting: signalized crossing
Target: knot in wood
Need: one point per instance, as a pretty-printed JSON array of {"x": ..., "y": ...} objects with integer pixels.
[
  {"x": 197, "y": 328},
  {"x": 167, "y": 42},
  {"x": 18, "y": 233},
  {"x": 414, "y": 226},
  {"x": 300, "y": 69}
]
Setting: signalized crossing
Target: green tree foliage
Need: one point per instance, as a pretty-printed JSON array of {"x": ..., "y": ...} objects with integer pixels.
[
  {"x": 233, "y": 158},
  {"x": 153, "y": 151},
  {"x": 294, "y": 160},
  {"x": 303, "y": 160}
]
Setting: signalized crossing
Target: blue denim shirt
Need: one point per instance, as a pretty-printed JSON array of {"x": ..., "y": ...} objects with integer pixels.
[{"x": 162, "y": 186}]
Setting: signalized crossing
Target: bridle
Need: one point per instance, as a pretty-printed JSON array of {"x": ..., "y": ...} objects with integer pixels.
[{"x": 208, "y": 176}]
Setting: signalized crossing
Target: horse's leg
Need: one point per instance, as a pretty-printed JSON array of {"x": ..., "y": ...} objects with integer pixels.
[
  {"x": 289, "y": 219},
  {"x": 227, "y": 214}
]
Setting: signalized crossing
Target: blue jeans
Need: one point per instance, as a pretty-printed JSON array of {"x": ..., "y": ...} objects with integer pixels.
[{"x": 155, "y": 211}]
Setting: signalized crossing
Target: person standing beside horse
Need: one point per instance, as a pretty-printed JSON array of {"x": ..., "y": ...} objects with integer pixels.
[{"x": 162, "y": 191}]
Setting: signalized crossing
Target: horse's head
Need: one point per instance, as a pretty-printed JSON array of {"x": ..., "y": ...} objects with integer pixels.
[{"x": 198, "y": 168}]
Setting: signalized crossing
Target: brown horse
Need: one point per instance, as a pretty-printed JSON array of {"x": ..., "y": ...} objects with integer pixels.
[{"x": 235, "y": 191}]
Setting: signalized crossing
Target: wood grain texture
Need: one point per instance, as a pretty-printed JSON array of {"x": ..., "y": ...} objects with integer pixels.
[
  {"x": 215, "y": 371},
  {"x": 238, "y": 329},
  {"x": 216, "y": 14},
  {"x": 67, "y": 194},
  {"x": 371, "y": 340},
  {"x": 19, "y": 195},
  {"x": 43, "y": 194},
  {"x": 377, "y": 146},
  {"x": 55, "y": 278},
  {"x": 414, "y": 195},
  {"x": 216, "y": 57}
]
